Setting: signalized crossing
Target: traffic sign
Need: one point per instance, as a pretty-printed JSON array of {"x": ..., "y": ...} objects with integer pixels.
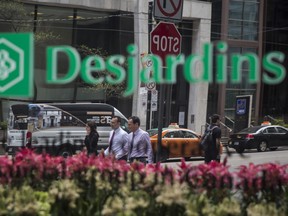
[
  {"x": 154, "y": 95},
  {"x": 154, "y": 105},
  {"x": 168, "y": 9},
  {"x": 154, "y": 100},
  {"x": 165, "y": 39},
  {"x": 150, "y": 86}
]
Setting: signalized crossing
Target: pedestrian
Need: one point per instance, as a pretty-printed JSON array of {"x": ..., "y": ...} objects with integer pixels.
[
  {"x": 266, "y": 121},
  {"x": 91, "y": 139},
  {"x": 118, "y": 140},
  {"x": 213, "y": 150},
  {"x": 139, "y": 145}
]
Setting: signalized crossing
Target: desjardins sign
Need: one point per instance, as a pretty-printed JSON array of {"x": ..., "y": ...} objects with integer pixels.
[{"x": 17, "y": 64}]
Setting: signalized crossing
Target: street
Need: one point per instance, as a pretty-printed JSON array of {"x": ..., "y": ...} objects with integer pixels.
[{"x": 235, "y": 160}]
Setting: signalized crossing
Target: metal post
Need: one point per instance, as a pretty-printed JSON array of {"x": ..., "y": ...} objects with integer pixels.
[
  {"x": 160, "y": 123},
  {"x": 150, "y": 120},
  {"x": 168, "y": 104}
]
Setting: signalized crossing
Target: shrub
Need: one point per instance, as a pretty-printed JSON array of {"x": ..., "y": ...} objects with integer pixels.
[{"x": 39, "y": 184}]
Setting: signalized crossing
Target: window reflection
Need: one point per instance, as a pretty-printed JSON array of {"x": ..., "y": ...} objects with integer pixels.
[
  {"x": 242, "y": 88},
  {"x": 57, "y": 23},
  {"x": 16, "y": 17},
  {"x": 243, "y": 19},
  {"x": 110, "y": 30},
  {"x": 53, "y": 27}
]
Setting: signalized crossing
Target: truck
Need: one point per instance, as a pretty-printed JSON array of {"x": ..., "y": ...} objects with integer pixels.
[{"x": 58, "y": 128}]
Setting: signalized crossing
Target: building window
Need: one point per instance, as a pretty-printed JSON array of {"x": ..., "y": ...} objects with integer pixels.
[
  {"x": 243, "y": 19},
  {"x": 110, "y": 31},
  {"x": 242, "y": 88},
  {"x": 53, "y": 27}
]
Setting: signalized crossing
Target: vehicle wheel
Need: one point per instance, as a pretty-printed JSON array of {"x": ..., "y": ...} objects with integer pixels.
[
  {"x": 273, "y": 148},
  {"x": 164, "y": 154},
  {"x": 154, "y": 157},
  {"x": 65, "y": 152},
  {"x": 187, "y": 158},
  {"x": 240, "y": 150},
  {"x": 262, "y": 147},
  {"x": 162, "y": 157}
]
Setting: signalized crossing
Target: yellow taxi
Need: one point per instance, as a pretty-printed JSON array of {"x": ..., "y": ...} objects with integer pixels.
[{"x": 176, "y": 142}]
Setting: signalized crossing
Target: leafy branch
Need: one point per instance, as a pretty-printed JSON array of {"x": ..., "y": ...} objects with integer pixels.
[{"x": 116, "y": 90}]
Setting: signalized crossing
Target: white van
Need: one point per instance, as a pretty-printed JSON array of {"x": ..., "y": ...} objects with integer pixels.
[{"x": 59, "y": 128}]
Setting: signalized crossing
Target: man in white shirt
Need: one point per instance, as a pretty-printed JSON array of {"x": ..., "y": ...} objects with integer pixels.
[
  {"x": 118, "y": 140},
  {"x": 139, "y": 145}
]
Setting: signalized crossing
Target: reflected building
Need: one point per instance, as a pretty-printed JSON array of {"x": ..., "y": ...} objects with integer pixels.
[
  {"x": 250, "y": 26},
  {"x": 107, "y": 28}
]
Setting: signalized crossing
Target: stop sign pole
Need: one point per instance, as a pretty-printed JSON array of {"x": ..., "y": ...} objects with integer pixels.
[{"x": 165, "y": 40}]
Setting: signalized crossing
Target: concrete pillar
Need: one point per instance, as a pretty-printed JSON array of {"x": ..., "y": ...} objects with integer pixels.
[
  {"x": 198, "y": 93},
  {"x": 141, "y": 36},
  {"x": 200, "y": 12}
]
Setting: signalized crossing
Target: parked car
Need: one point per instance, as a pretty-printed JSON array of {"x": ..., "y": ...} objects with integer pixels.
[
  {"x": 176, "y": 142},
  {"x": 260, "y": 138}
]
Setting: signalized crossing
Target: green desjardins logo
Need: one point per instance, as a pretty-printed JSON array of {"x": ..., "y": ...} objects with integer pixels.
[{"x": 16, "y": 64}]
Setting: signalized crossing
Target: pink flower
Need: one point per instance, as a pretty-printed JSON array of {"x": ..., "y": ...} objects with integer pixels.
[{"x": 6, "y": 169}]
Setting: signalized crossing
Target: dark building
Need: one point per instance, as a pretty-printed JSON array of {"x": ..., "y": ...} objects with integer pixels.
[
  {"x": 248, "y": 26},
  {"x": 252, "y": 26},
  {"x": 274, "y": 99},
  {"x": 106, "y": 28}
]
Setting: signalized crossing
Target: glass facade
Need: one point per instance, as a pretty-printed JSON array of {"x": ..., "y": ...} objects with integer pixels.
[
  {"x": 275, "y": 97},
  {"x": 237, "y": 23},
  {"x": 107, "y": 32},
  {"x": 53, "y": 27},
  {"x": 243, "y": 88},
  {"x": 91, "y": 32},
  {"x": 242, "y": 25},
  {"x": 243, "y": 19}
]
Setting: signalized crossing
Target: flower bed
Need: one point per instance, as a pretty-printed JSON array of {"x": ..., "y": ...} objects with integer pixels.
[{"x": 33, "y": 184}]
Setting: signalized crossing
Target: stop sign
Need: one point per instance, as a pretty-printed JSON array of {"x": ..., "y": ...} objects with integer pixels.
[{"x": 165, "y": 39}]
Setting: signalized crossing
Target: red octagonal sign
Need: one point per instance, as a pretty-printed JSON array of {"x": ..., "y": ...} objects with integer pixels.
[{"x": 165, "y": 39}]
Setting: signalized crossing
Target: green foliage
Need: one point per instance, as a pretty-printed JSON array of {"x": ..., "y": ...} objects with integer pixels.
[
  {"x": 13, "y": 13},
  {"x": 280, "y": 122},
  {"x": 3, "y": 125},
  {"x": 23, "y": 201},
  {"x": 265, "y": 209},
  {"x": 45, "y": 37},
  {"x": 200, "y": 204},
  {"x": 110, "y": 90},
  {"x": 98, "y": 185},
  {"x": 64, "y": 194},
  {"x": 86, "y": 51}
]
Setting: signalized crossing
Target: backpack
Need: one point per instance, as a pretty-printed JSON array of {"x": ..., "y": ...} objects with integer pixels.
[{"x": 207, "y": 139}]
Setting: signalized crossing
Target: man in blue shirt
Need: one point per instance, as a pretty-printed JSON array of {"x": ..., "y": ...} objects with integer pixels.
[
  {"x": 118, "y": 140},
  {"x": 139, "y": 145}
]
